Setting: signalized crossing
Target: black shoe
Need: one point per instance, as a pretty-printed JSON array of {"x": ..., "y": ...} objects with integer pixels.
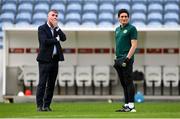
[
  {"x": 126, "y": 109},
  {"x": 47, "y": 109},
  {"x": 39, "y": 109},
  {"x": 122, "y": 109}
]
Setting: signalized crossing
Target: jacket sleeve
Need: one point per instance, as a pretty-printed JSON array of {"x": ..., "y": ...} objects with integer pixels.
[
  {"x": 61, "y": 35},
  {"x": 43, "y": 37}
]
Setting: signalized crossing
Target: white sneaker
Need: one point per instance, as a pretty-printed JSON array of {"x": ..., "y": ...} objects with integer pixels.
[{"x": 133, "y": 110}]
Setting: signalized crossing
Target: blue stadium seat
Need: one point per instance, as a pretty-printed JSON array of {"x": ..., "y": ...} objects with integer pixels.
[
  {"x": 73, "y": 16},
  {"x": 106, "y": 7},
  {"x": 8, "y": 17},
  {"x": 122, "y": 5},
  {"x": 41, "y": 7},
  {"x": 91, "y": 1},
  {"x": 88, "y": 24},
  {"x": 122, "y": 1},
  {"x": 72, "y": 23},
  {"x": 8, "y": 7},
  {"x": 58, "y": 1},
  {"x": 156, "y": 1},
  {"x": 139, "y": 23},
  {"x": 139, "y": 1},
  {"x": 139, "y": 7},
  {"x": 23, "y": 17},
  {"x": 74, "y": 7},
  {"x": 7, "y": 23},
  {"x": 40, "y": 1},
  {"x": 171, "y": 7},
  {"x": 90, "y": 7},
  {"x": 171, "y": 17},
  {"x": 9, "y": 1},
  {"x": 155, "y": 7},
  {"x": 171, "y": 23},
  {"x": 36, "y": 20},
  {"x": 154, "y": 23},
  {"x": 61, "y": 17},
  {"x": 155, "y": 18},
  {"x": 106, "y": 1},
  {"x": 106, "y": 17},
  {"x": 171, "y": 1},
  {"x": 105, "y": 24},
  {"x": 23, "y": 23},
  {"x": 25, "y": 1},
  {"x": 75, "y": 1},
  {"x": 89, "y": 16},
  {"x": 25, "y": 7},
  {"x": 138, "y": 15},
  {"x": 59, "y": 6},
  {"x": 138, "y": 18}
]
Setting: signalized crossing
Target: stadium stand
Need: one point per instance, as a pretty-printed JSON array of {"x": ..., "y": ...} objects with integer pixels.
[{"x": 144, "y": 12}]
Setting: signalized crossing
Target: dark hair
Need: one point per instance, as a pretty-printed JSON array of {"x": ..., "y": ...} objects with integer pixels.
[
  {"x": 53, "y": 10},
  {"x": 123, "y": 11}
]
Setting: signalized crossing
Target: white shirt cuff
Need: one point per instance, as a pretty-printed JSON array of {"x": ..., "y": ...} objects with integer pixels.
[{"x": 57, "y": 38}]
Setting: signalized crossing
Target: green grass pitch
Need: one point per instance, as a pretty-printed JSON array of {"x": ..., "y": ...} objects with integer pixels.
[{"x": 91, "y": 110}]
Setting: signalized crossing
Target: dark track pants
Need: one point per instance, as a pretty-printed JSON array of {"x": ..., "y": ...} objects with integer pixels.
[{"x": 125, "y": 76}]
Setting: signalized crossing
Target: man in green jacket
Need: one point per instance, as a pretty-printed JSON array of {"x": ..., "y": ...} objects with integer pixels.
[{"x": 126, "y": 43}]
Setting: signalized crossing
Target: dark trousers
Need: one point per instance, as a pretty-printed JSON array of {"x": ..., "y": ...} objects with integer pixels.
[
  {"x": 125, "y": 76},
  {"x": 47, "y": 78}
]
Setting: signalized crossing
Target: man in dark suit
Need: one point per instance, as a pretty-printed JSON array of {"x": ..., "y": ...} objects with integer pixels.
[{"x": 50, "y": 53}]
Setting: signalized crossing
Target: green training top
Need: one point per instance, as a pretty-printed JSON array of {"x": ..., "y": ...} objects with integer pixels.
[{"x": 123, "y": 37}]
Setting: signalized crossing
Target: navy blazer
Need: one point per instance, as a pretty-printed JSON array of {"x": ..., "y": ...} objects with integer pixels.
[{"x": 47, "y": 42}]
